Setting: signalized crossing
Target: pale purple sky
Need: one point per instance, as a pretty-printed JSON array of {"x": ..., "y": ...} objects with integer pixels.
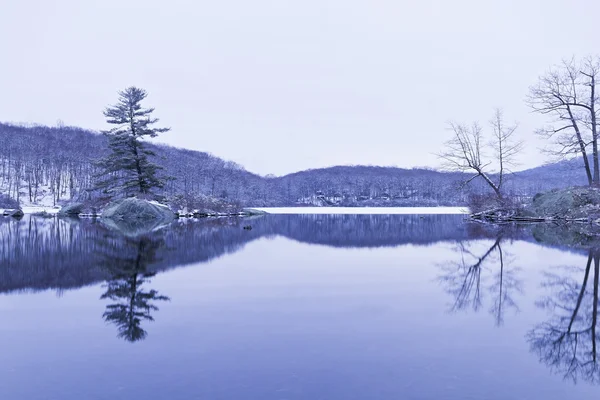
[{"x": 280, "y": 86}]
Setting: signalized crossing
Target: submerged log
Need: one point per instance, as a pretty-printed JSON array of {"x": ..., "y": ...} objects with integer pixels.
[{"x": 507, "y": 216}]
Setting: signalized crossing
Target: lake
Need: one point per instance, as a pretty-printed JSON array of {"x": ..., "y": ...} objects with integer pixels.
[{"x": 299, "y": 307}]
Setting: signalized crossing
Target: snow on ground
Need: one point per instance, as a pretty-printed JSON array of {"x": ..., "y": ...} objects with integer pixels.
[
  {"x": 36, "y": 209},
  {"x": 156, "y": 203},
  {"x": 364, "y": 210},
  {"x": 43, "y": 202}
]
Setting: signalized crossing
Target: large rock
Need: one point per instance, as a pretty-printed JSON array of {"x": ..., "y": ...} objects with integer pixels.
[
  {"x": 71, "y": 210},
  {"x": 577, "y": 202},
  {"x": 134, "y": 217}
]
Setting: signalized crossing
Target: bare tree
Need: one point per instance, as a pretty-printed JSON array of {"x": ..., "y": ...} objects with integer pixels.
[
  {"x": 567, "y": 93},
  {"x": 466, "y": 151},
  {"x": 504, "y": 146}
]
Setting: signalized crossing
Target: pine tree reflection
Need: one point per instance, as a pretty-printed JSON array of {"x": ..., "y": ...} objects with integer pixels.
[
  {"x": 128, "y": 264},
  {"x": 567, "y": 342}
]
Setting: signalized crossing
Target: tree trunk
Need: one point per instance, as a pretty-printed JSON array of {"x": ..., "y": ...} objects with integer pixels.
[
  {"x": 586, "y": 161},
  {"x": 594, "y": 131},
  {"x": 595, "y": 305},
  {"x": 492, "y": 185}
]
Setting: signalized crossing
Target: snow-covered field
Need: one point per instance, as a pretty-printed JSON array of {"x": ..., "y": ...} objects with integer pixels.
[{"x": 364, "y": 210}]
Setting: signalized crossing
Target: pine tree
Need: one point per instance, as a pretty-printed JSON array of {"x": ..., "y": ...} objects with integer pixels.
[{"x": 127, "y": 168}]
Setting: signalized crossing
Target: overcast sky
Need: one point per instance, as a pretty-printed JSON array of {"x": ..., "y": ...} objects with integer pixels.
[{"x": 280, "y": 86}]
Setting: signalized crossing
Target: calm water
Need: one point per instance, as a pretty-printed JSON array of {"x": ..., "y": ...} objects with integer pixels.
[{"x": 300, "y": 307}]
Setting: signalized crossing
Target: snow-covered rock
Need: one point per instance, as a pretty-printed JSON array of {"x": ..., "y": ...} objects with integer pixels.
[
  {"x": 133, "y": 208},
  {"x": 134, "y": 217}
]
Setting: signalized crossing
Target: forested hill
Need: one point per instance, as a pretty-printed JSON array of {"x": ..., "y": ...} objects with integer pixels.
[
  {"x": 51, "y": 165},
  {"x": 38, "y": 161}
]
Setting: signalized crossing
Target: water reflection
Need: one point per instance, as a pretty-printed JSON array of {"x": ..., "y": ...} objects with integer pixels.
[
  {"x": 567, "y": 341},
  {"x": 133, "y": 303},
  {"x": 482, "y": 271},
  {"x": 40, "y": 254},
  {"x": 482, "y": 274}
]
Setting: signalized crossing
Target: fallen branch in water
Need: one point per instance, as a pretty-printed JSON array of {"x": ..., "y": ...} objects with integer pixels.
[{"x": 500, "y": 215}]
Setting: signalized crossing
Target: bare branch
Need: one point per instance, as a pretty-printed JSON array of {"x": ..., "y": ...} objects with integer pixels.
[{"x": 568, "y": 93}]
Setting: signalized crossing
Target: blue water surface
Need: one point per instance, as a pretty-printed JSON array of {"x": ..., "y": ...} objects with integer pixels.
[{"x": 299, "y": 307}]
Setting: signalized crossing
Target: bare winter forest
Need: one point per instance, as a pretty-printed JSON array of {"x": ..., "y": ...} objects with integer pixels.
[{"x": 54, "y": 165}]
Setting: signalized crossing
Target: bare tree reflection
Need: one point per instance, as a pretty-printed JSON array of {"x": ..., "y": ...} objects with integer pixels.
[
  {"x": 567, "y": 343},
  {"x": 480, "y": 273},
  {"x": 133, "y": 303},
  {"x": 505, "y": 284}
]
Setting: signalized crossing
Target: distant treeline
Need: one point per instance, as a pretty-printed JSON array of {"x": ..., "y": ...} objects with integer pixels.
[{"x": 40, "y": 162}]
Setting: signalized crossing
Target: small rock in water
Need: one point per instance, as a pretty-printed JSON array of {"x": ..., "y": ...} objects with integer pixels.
[
  {"x": 247, "y": 227},
  {"x": 16, "y": 213}
]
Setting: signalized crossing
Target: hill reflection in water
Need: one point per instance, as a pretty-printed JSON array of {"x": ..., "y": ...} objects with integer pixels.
[
  {"x": 39, "y": 254},
  {"x": 479, "y": 271}
]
